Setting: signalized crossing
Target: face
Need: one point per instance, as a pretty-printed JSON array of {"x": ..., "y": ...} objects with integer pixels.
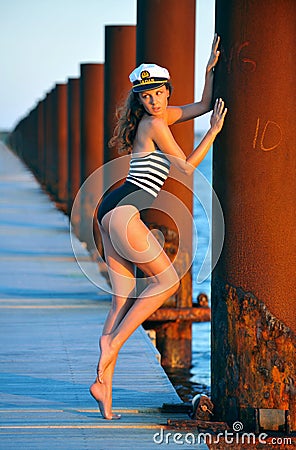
[{"x": 155, "y": 101}]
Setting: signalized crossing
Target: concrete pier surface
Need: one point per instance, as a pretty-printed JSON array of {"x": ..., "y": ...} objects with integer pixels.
[{"x": 50, "y": 319}]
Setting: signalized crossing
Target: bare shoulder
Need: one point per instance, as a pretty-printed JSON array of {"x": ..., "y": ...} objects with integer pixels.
[
  {"x": 152, "y": 124},
  {"x": 149, "y": 130},
  {"x": 174, "y": 114},
  {"x": 152, "y": 120},
  {"x": 157, "y": 122}
]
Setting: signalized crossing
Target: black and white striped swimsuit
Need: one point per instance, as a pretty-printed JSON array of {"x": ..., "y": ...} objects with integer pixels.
[
  {"x": 149, "y": 172},
  {"x": 145, "y": 179}
]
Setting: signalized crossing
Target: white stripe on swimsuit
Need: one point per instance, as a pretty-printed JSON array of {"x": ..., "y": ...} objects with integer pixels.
[{"x": 149, "y": 172}]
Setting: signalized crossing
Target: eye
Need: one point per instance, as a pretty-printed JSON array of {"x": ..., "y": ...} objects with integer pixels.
[
  {"x": 145, "y": 96},
  {"x": 158, "y": 92}
]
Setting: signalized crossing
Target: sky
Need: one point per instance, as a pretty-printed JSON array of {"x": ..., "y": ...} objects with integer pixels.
[{"x": 43, "y": 42}]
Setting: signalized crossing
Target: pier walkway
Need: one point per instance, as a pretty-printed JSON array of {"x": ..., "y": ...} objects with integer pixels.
[{"x": 50, "y": 319}]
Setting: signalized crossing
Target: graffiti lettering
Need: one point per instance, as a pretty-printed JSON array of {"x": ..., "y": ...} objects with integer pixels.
[
  {"x": 235, "y": 58},
  {"x": 245, "y": 64},
  {"x": 275, "y": 132}
]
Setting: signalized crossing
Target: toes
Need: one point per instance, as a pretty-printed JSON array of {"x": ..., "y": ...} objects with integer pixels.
[
  {"x": 113, "y": 417},
  {"x": 98, "y": 393}
]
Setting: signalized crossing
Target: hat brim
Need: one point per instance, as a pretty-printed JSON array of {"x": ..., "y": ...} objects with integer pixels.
[{"x": 148, "y": 86}]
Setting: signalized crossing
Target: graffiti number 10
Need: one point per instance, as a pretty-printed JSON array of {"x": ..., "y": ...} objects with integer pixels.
[{"x": 268, "y": 139}]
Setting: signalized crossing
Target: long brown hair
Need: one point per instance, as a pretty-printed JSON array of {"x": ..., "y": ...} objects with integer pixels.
[{"x": 129, "y": 116}]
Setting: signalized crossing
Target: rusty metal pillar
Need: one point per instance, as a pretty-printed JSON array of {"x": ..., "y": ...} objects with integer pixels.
[
  {"x": 91, "y": 142},
  {"x": 29, "y": 147},
  {"x": 74, "y": 179},
  {"x": 16, "y": 139},
  {"x": 49, "y": 147},
  {"x": 254, "y": 283},
  {"x": 40, "y": 140},
  {"x": 60, "y": 144},
  {"x": 53, "y": 154},
  {"x": 172, "y": 45},
  {"x": 35, "y": 141},
  {"x": 20, "y": 138},
  {"x": 120, "y": 60},
  {"x": 44, "y": 147},
  {"x": 25, "y": 133},
  {"x": 31, "y": 141}
]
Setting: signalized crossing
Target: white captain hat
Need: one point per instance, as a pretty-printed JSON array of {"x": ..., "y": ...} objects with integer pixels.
[{"x": 148, "y": 76}]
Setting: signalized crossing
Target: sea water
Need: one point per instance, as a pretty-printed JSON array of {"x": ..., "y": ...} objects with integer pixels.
[{"x": 197, "y": 380}]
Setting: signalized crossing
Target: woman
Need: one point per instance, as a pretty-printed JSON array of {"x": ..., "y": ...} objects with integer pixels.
[{"x": 143, "y": 130}]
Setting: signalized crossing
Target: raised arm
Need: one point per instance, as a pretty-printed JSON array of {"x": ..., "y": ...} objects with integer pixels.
[
  {"x": 164, "y": 139},
  {"x": 179, "y": 114}
]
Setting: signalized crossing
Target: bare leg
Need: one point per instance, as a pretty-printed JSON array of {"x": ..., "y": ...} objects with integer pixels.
[
  {"x": 121, "y": 274},
  {"x": 133, "y": 240}
]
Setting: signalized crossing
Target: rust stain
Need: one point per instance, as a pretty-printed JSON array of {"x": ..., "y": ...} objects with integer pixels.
[{"x": 261, "y": 364}]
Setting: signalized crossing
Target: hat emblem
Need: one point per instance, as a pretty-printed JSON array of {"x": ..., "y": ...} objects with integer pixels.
[{"x": 145, "y": 74}]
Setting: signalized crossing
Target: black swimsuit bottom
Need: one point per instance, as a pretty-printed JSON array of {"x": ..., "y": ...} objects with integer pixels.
[{"x": 126, "y": 194}]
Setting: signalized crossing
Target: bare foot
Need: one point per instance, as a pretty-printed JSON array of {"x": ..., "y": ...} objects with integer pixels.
[
  {"x": 103, "y": 397},
  {"x": 108, "y": 353}
]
